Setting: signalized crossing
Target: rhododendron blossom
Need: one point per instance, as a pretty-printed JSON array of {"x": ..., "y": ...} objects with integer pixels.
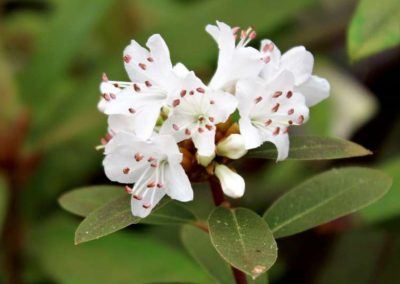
[{"x": 167, "y": 128}]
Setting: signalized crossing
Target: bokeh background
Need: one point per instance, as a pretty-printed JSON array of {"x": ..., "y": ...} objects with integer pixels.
[{"x": 52, "y": 55}]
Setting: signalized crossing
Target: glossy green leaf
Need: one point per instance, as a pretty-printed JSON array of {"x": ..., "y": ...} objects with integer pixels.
[
  {"x": 389, "y": 206},
  {"x": 325, "y": 197},
  {"x": 116, "y": 214},
  {"x": 124, "y": 257},
  {"x": 374, "y": 28},
  {"x": 243, "y": 239},
  {"x": 198, "y": 244},
  {"x": 84, "y": 200},
  {"x": 312, "y": 148}
]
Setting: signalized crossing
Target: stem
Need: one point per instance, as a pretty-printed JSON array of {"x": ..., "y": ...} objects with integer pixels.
[
  {"x": 240, "y": 277},
  {"x": 219, "y": 199}
]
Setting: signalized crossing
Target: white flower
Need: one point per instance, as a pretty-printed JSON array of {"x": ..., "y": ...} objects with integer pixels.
[
  {"x": 153, "y": 83},
  {"x": 153, "y": 166},
  {"x": 232, "y": 147},
  {"x": 196, "y": 112},
  {"x": 300, "y": 63},
  {"x": 232, "y": 183},
  {"x": 235, "y": 60},
  {"x": 268, "y": 109}
]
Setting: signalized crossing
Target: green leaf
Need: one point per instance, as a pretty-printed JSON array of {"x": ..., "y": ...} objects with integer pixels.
[
  {"x": 3, "y": 201},
  {"x": 84, "y": 200},
  {"x": 312, "y": 148},
  {"x": 374, "y": 28},
  {"x": 124, "y": 257},
  {"x": 325, "y": 197},
  {"x": 116, "y": 214},
  {"x": 389, "y": 206},
  {"x": 198, "y": 244},
  {"x": 243, "y": 239}
]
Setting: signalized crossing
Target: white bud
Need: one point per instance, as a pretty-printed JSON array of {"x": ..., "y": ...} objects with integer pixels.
[
  {"x": 204, "y": 160},
  {"x": 232, "y": 147},
  {"x": 232, "y": 183}
]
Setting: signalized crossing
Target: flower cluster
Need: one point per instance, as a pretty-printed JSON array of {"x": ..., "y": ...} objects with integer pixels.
[{"x": 166, "y": 127}]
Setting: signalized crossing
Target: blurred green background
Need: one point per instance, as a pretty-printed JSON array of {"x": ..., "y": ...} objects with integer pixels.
[{"x": 52, "y": 54}]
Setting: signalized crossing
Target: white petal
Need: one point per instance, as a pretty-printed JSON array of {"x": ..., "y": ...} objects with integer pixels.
[
  {"x": 224, "y": 105},
  {"x": 252, "y": 137},
  {"x": 154, "y": 66},
  {"x": 300, "y": 62},
  {"x": 177, "y": 125},
  {"x": 166, "y": 144},
  {"x": 177, "y": 183},
  {"x": 180, "y": 70},
  {"x": 118, "y": 123},
  {"x": 120, "y": 153},
  {"x": 281, "y": 142},
  {"x": 137, "y": 207},
  {"x": 315, "y": 89},
  {"x": 204, "y": 142},
  {"x": 246, "y": 92},
  {"x": 232, "y": 183},
  {"x": 271, "y": 57}
]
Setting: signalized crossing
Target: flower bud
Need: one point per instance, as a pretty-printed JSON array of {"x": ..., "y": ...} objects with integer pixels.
[
  {"x": 232, "y": 147},
  {"x": 232, "y": 183},
  {"x": 204, "y": 160}
]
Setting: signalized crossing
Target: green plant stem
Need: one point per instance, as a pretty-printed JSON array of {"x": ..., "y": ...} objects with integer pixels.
[{"x": 219, "y": 200}]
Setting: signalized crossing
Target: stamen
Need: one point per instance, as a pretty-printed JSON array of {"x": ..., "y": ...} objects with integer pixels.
[
  {"x": 142, "y": 66},
  {"x": 106, "y": 97},
  {"x": 146, "y": 205},
  {"x": 151, "y": 159},
  {"x": 136, "y": 87},
  {"x": 150, "y": 59},
  {"x": 127, "y": 58},
  {"x": 300, "y": 120},
  {"x": 212, "y": 102},
  {"x": 258, "y": 99},
  {"x": 200, "y": 90},
  {"x": 187, "y": 131},
  {"x": 153, "y": 165},
  {"x": 290, "y": 122},
  {"x": 151, "y": 184},
  {"x": 160, "y": 185},
  {"x": 253, "y": 35},
  {"x": 289, "y": 94},
  {"x": 116, "y": 85},
  {"x": 183, "y": 93},
  {"x": 132, "y": 110},
  {"x": 275, "y": 108},
  {"x": 201, "y": 130},
  {"x": 290, "y": 111},
  {"x": 211, "y": 119},
  {"x": 103, "y": 141},
  {"x": 176, "y": 102},
  {"x": 277, "y": 94},
  {"x": 235, "y": 30},
  {"x": 113, "y": 96},
  {"x": 276, "y": 131},
  {"x": 148, "y": 84},
  {"x": 137, "y": 197},
  {"x": 138, "y": 157},
  {"x": 104, "y": 77},
  {"x": 267, "y": 59},
  {"x": 125, "y": 171},
  {"x": 108, "y": 137},
  {"x": 209, "y": 127},
  {"x": 191, "y": 93},
  {"x": 268, "y": 47},
  {"x": 268, "y": 122},
  {"x": 175, "y": 127},
  {"x": 286, "y": 130},
  {"x": 128, "y": 189}
]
